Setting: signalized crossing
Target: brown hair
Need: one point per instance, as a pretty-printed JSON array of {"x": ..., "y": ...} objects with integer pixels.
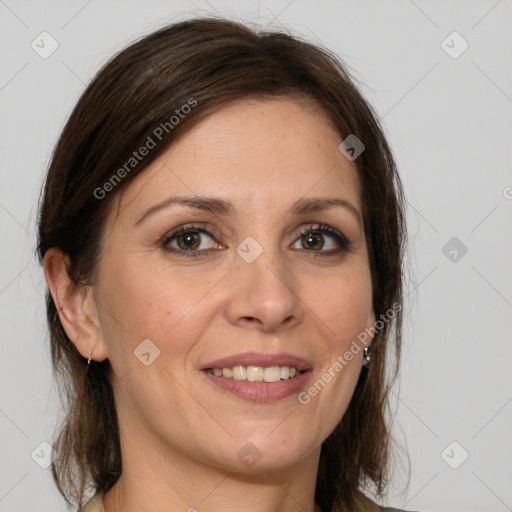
[{"x": 212, "y": 61}]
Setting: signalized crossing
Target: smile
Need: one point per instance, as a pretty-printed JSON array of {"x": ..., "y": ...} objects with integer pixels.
[
  {"x": 259, "y": 391},
  {"x": 256, "y": 373}
]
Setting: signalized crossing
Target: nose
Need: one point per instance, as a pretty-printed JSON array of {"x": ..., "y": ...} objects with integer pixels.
[{"x": 263, "y": 295}]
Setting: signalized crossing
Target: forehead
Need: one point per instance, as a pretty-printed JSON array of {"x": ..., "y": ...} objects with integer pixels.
[{"x": 254, "y": 151}]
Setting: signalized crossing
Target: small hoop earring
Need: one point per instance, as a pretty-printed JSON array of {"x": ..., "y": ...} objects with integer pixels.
[
  {"x": 90, "y": 353},
  {"x": 366, "y": 358}
]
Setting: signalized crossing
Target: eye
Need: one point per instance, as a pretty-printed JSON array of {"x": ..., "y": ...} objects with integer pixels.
[
  {"x": 189, "y": 241},
  {"x": 322, "y": 238},
  {"x": 192, "y": 240}
]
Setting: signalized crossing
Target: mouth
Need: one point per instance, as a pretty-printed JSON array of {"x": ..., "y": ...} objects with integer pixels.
[
  {"x": 259, "y": 377},
  {"x": 259, "y": 360},
  {"x": 253, "y": 373}
]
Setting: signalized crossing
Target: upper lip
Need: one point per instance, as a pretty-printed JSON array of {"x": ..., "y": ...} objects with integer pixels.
[{"x": 260, "y": 359}]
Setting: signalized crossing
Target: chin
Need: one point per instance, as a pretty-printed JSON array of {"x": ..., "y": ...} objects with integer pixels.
[{"x": 263, "y": 454}]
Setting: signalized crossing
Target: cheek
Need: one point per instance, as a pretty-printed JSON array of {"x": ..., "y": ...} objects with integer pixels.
[
  {"x": 342, "y": 303},
  {"x": 140, "y": 301}
]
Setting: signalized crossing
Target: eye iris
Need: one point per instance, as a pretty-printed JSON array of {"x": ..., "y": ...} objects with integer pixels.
[
  {"x": 313, "y": 241},
  {"x": 191, "y": 240}
]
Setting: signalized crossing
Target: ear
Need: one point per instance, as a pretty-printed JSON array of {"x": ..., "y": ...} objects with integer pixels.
[{"x": 76, "y": 306}]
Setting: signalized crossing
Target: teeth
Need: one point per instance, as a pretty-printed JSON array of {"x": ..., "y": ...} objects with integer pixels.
[
  {"x": 272, "y": 374},
  {"x": 239, "y": 372},
  {"x": 256, "y": 373}
]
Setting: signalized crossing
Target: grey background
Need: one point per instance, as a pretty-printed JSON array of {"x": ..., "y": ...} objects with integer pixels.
[{"x": 449, "y": 121}]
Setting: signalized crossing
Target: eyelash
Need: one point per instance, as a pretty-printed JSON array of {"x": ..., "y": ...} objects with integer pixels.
[{"x": 341, "y": 240}]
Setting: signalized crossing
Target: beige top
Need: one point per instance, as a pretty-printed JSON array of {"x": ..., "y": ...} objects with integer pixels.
[{"x": 365, "y": 504}]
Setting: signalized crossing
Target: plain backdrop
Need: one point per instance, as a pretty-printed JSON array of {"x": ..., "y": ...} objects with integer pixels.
[{"x": 439, "y": 75}]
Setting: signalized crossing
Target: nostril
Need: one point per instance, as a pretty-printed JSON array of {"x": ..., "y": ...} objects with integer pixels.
[{"x": 251, "y": 319}]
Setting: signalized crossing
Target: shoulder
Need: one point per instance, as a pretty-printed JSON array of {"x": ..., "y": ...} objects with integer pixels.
[
  {"x": 365, "y": 504},
  {"x": 95, "y": 504}
]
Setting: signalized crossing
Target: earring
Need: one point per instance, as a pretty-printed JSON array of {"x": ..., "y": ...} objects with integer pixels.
[
  {"x": 90, "y": 353},
  {"x": 366, "y": 358}
]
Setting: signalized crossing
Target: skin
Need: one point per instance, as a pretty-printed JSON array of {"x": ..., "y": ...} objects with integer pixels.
[{"x": 180, "y": 434}]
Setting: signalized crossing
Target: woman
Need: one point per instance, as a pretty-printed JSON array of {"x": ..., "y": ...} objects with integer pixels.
[{"x": 222, "y": 236}]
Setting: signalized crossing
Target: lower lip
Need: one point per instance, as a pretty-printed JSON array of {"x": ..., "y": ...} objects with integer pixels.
[{"x": 261, "y": 391}]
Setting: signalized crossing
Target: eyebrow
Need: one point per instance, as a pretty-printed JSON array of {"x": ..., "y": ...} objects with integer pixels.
[{"x": 222, "y": 207}]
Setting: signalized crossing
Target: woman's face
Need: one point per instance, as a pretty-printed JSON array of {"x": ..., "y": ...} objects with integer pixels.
[{"x": 239, "y": 278}]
